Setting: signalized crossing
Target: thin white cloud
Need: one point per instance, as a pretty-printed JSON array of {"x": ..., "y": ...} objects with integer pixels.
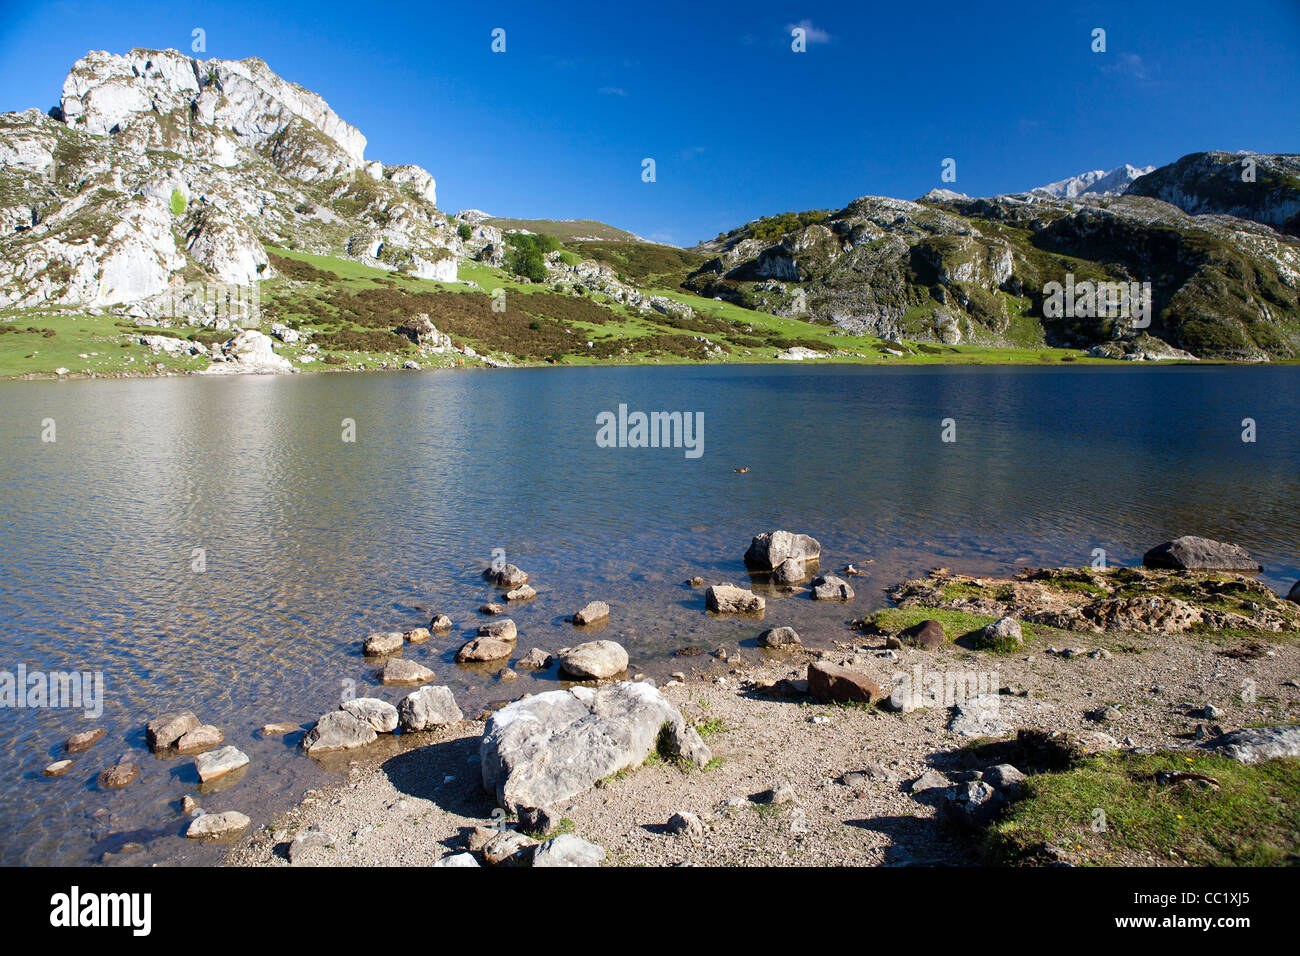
[
  {"x": 612, "y": 91},
  {"x": 1130, "y": 65},
  {"x": 813, "y": 34}
]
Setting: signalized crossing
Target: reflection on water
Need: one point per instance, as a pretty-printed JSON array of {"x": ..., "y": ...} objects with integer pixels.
[{"x": 310, "y": 542}]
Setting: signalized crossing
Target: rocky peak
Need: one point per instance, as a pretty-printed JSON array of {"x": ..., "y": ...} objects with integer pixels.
[{"x": 1096, "y": 182}]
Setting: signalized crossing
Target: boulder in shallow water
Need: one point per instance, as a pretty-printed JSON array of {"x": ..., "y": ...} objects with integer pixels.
[
  {"x": 338, "y": 730},
  {"x": 398, "y": 671},
  {"x": 163, "y": 732},
  {"x": 214, "y": 826},
  {"x": 543, "y": 750},
  {"x": 427, "y": 708},
  {"x": 1194, "y": 553},
  {"x": 382, "y": 642},
  {"x": 729, "y": 599},
  {"x": 502, "y": 629},
  {"x": 595, "y": 660},
  {"x": 440, "y": 622},
  {"x": 779, "y": 637},
  {"x": 769, "y": 549},
  {"x": 507, "y": 576},
  {"x": 593, "y": 612},
  {"x": 218, "y": 763},
  {"x": 828, "y": 587},
  {"x": 417, "y": 635},
  {"x": 525, "y": 592},
  {"x": 790, "y": 571},
  {"x": 379, "y": 714},
  {"x": 84, "y": 740},
  {"x": 1294, "y": 593},
  {"x": 201, "y": 738},
  {"x": 119, "y": 776},
  {"x": 484, "y": 649}
]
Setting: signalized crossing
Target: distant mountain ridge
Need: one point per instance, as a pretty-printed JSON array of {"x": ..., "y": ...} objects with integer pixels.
[{"x": 1097, "y": 182}]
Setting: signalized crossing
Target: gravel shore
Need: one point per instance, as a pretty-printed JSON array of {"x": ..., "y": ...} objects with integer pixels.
[{"x": 416, "y": 801}]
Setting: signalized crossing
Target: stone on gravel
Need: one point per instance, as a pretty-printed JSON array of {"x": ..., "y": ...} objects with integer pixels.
[
  {"x": 980, "y": 716},
  {"x": 456, "y": 860},
  {"x": 1255, "y": 744},
  {"x": 162, "y": 732},
  {"x": 779, "y": 637},
  {"x": 484, "y": 649},
  {"x": 595, "y": 660},
  {"x": 828, "y": 587},
  {"x": 1004, "y": 777},
  {"x": 84, "y": 740},
  {"x": 214, "y": 826},
  {"x": 379, "y": 714},
  {"x": 543, "y": 750},
  {"x": 593, "y": 612},
  {"x": 930, "y": 780},
  {"x": 686, "y": 823},
  {"x": 974, "y": 803},
  {"x": 218, "y": 763},
  {"x": 729, "y": 599},
  {"x": 303, "y": 843},
  {"x": 568, "y": 850},
  {"x": 382, "y": 642},
  {"x": 1194, "y": 553},
  {"x": 398, "y": 671},
  {"x": 338, "y": 730},
  {"x": 428, "y": 707},
  {"x": 510, "y": 847},
  {"x": 831, "y": 683},
  {"x": 769, "y": 549}
]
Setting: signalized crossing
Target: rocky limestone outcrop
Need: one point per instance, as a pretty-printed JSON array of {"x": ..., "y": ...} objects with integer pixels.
[{"x": 544, "y": 749}]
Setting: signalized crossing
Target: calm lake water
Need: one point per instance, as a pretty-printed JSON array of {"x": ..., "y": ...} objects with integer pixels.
[{"x": 311, "y": 542}]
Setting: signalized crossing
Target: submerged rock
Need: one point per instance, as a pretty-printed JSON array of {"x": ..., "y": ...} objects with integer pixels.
[
  {"x": 120, "y": 776},
  {"x": 58, "y": 768},
  {"x": 595, "y": 660},
  {"x": 1194, "y": 553},
  {"x": 417, "y": 635},
  {"x": 84, "y": 740},
  {"x": 543, "y": 750},
  {"x": 203, "y": 737},
  {"x": 729, "y": 599}
]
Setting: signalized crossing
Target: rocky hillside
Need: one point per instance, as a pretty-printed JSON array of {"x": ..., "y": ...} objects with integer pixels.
[
  {"x": 1224, "y": 282},
  {"x": 1096, "y": 182},
  {"x": 156, "y": 167}
]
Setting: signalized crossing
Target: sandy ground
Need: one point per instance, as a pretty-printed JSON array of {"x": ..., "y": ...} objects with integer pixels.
[{"x": 417, "y": 801}]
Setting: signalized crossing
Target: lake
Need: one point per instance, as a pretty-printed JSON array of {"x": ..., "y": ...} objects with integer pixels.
[{"x": 215, "y": 544}]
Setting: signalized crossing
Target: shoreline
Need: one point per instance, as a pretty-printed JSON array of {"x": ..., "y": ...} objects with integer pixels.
[{"x": 854, "y": 769}]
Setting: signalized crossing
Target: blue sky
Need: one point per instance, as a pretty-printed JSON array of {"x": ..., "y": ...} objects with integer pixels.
[{"x": 738, "y": 124}]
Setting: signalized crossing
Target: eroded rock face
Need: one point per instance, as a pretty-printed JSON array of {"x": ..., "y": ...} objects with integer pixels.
[
  {"x": 1194, "y": 553},
  {"x": 545, "y": 749}
]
